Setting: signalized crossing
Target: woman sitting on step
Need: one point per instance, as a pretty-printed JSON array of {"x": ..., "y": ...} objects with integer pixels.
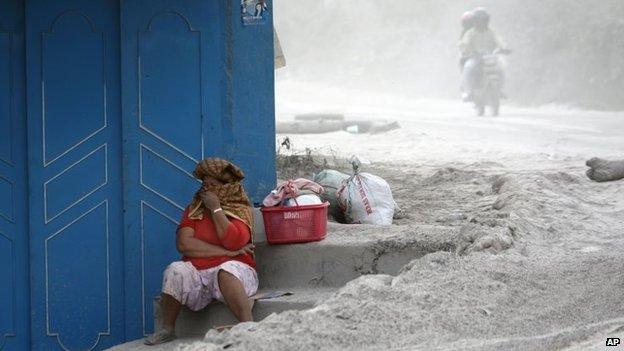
[{"x": 214, "y": 238}]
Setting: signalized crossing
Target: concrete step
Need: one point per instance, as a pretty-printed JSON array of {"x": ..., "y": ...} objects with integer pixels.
[
  {"x": 216, "y": 314},
  {"x": 192, "y": 326},
  {"x": 348, "y": 252}
]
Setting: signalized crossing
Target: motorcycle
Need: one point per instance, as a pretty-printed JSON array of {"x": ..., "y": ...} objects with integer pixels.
[{"x": 488, "y": 85}]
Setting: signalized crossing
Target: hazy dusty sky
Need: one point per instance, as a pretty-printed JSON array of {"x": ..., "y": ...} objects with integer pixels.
[{"x": 565, "y": 51}]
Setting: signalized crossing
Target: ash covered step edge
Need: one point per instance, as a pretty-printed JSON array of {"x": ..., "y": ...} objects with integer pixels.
[
  {"x": 191, "y": 323},
  {"x": 348, "y": 252}
]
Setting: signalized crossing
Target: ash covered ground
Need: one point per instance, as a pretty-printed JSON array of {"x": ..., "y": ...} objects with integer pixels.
[{"x": 536, "y": 255}]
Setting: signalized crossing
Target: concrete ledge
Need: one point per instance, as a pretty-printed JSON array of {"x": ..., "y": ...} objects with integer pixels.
[
  {"x": 348, "y": 252},
  {"x": 258, "y": 227}
]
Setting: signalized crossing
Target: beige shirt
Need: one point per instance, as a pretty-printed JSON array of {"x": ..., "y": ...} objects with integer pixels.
[{"x": 476, "y": 42}]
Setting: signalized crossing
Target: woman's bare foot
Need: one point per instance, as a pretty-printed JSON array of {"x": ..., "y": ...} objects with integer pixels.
[
  {"x": 222, "y": 328},
  {"x": 160, "y": 337}
]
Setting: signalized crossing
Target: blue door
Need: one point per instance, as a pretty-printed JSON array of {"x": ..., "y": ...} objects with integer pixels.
[
  {"x": 74, "y": 134},
  {"x": 13, "y": 220},
  {"x": 90, "y": 191},
  {"x": 171, "y": 74}
]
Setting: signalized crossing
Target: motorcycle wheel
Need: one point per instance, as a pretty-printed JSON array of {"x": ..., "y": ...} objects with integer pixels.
[
  {"x": 480, "y": 101},
  {"x": 495, "y": 106},
  {"x": 480, "y": 107}
]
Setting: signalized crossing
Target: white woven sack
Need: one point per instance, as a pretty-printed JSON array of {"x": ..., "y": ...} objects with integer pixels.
[{"x": 366, "y": 199}]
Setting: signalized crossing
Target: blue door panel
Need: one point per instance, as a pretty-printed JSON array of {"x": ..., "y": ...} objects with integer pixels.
[
  {"x": 74, "y": 174},
  {"x": 7, "y": 198},
  {"x": 6, "y": 61},
  {"x": 7, "y": 290},
  {"x": 172, "y": 73},
  {"x": 72, "y": 69},
  {"x": 77, "y": 304},
  {"x": 75, "y": 183},
  {"x": 156, "y": 168},
  {"x": 158, "y": 254},
  {"x": 14, "y": 291},
  {"x": 170, "y": 83}
]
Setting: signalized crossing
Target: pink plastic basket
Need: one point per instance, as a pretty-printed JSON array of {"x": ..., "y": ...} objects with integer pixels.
[{"x": 297, "y": 224}]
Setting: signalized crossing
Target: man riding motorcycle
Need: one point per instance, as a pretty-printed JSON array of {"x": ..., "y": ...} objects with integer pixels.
[
  {"x": 467, "y": 22},
  {"x": 477, "y": 41}
]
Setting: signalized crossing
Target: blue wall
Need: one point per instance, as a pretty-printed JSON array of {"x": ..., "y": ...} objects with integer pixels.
[{"x": 249, "y": 100}]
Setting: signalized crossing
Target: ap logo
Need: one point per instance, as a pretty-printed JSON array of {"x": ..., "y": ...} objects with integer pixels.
[{"x": 613, "y": 341}]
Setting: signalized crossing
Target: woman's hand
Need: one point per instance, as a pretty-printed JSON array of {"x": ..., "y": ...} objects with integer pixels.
[
  {"x": 247, "y": 249},
  {"x": 210, "y": 200}
]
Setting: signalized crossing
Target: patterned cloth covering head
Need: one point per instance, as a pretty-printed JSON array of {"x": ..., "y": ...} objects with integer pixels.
[{"x": 234, "y": 200}]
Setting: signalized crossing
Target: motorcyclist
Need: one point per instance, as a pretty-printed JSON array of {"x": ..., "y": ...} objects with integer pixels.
[
  {"x": 467, "y": 22},
  {"x": 477, "y": 41}
]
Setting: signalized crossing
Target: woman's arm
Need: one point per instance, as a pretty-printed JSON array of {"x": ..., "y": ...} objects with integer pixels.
[
  {"x": 188, "y": 245},
  {"x": 221, "y": 223},
  {"x": 236, "y": 236}
]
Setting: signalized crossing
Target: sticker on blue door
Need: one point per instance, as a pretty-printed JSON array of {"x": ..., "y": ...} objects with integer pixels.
[{"x": 254, "y": 12}]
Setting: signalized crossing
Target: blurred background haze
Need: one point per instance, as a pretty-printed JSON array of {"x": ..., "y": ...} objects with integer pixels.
[{"x": 565, "y": 52}]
